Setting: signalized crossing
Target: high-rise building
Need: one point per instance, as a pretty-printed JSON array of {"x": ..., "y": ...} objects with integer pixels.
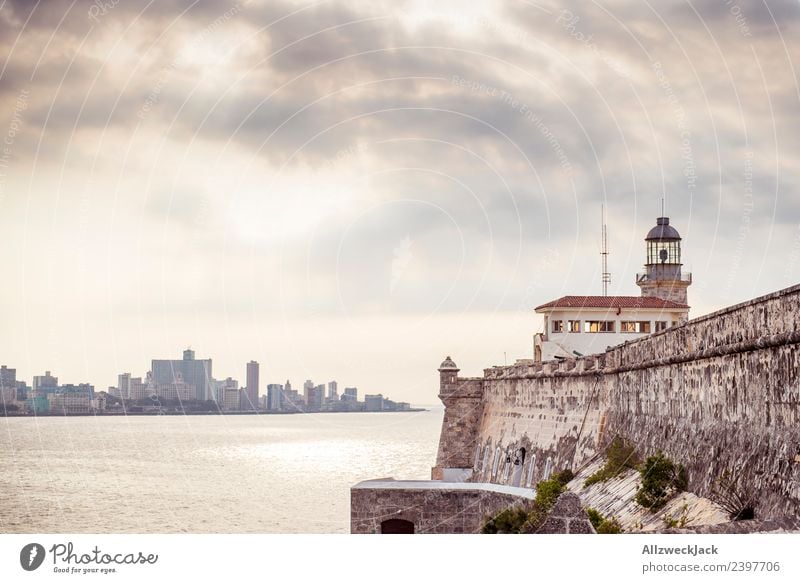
[
  {"x": 252, "y": 386},
  {"x": 274, "y": 397},
  {"x": 350, "y": 393},
  {"x": 314, "y": 397},
  {"x": 333, "y": 391},
  {"x": 124, "y": 385},
  {"x": 46, "y": 381},
  {"x": 8, "y": 377},
  {"x": 195, "y": 372}
]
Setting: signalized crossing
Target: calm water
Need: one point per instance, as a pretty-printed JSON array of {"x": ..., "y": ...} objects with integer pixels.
[{"x": 257, "y": 474}]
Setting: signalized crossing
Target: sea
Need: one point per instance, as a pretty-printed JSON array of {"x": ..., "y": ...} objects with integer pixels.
[{"x": 203, "y": 474}]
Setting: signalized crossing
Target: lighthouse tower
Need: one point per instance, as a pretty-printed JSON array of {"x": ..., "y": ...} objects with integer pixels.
[{"x": 662, "y": 277}]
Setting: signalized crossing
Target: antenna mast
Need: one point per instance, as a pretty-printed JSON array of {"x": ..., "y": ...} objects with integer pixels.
[{"x": 606, "y": 275}]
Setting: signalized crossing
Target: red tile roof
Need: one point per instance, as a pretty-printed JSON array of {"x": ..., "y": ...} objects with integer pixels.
[{"x": 612, "y": 302}]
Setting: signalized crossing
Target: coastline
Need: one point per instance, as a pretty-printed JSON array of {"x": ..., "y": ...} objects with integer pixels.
[{"x": 197, "y": 413}]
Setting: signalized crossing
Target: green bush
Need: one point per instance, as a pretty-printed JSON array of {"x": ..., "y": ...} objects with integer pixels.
[
  {"x": 609, "y": 526},
  {"x": 620, "y": 455},
  {"x": 661, "y": 479},
  {"x": 527, "y": 520},
  {"x": 603, "y": 525},
  {"x": 508, "y": 521},
  {"x": 548, "y": 491},
  {"x": 594, "y": 517}
]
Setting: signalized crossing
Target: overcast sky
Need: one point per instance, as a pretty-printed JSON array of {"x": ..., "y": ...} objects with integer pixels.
[{"x": 354, "y": 190}]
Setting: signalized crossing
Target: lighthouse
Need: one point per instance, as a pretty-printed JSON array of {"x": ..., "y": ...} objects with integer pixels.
[{"x": 662, "y": 277}]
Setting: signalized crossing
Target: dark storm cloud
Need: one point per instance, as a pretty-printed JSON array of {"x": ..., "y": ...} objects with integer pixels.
[{"x": 567, "y": 106}]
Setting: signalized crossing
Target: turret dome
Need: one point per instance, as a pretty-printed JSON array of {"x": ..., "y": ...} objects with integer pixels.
[{"x": 663, "y": 231}]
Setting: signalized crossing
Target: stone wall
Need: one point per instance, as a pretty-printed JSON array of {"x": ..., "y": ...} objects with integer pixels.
[
  {"x": 457, "y": 508},
  {"x": 460, "y": 424},
  {"x": 720, "y": 394}
]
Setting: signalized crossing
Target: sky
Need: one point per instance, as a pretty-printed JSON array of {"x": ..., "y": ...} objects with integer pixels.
[{"x": 354, "y": 190}]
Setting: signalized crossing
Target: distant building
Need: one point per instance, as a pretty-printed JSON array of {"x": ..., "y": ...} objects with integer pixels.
[
  {"x": 124, "y": 385},
  {"x": 292, "y": 400},
  {"x": 333, "y": 391},
  {"x": 12, "y": 391},
  {"x": 8, "y": 396},
  {"x": 274, "y": 397},
  {"x": 46, "y": 381},
  {"x": 71, "y": 399},
  {"x": 315, "y": 397},
  {"x": 139, "y": 389},
  {"x": 227, "y": 394},
  {"x": 8, "y": 377},
  {"x": 228, "y": 398},
  {"x": 350, "y": 393},
  {"x": 373, "y": 402},
  {"x": 252, "y": 386},
  {"x": 177, "y": 391},
  {"x": 307, "y": 386},
  {"x": 195, "y": 372}
]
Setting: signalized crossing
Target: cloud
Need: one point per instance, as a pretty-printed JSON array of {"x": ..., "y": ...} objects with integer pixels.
[{"x": 361, "y": 160}]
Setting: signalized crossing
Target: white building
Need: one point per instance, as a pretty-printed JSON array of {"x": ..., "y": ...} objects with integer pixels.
[
  {"x": 70, "y": 402},
  {"x": 178, "y": 391},
  {"x": 228, "y": 398},
  {"x": 580, "y": 325}
]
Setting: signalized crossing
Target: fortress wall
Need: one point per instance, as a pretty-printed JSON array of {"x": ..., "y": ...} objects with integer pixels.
[
  {"x": 459, "y": 426},
  {"x": 718, "y": 394},
  {"x": 434, "y": 510}
]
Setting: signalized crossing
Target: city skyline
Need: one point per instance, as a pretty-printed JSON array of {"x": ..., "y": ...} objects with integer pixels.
[
  {"x": 191, "y": 380},
  {"x": 363, "y": 188}
]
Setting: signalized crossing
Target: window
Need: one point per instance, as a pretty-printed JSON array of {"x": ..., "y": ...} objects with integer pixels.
[
  {"x": 594, "y": 326},
  {"x": 548, "y": 468},
  {"x": 573, "y": 326},
  {"x": 531, "y": 468},
  {"x": 663, "y": 252},
  {"x": 634, "y": 327},
  {"x": 661, "y": 325},
  {"x": 558, "y": 326},
  {"x": 487, "y": 452},
  {"x": 496, "y": 461}
]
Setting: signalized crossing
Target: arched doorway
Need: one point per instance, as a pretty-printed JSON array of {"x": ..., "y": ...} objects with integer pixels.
[{"x": 397, "y": 526}]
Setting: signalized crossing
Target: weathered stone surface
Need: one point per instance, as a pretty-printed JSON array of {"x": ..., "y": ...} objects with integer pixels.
[
  {"x": 566, "y": 517},
  {"x": 776, "y": 526},
  {"x": 440, "y": 508},
  {"x": 617, "y": 498},
  {"x": 719, "y": 394}
]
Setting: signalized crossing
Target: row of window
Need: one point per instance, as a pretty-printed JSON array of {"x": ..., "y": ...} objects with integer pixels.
[{"x": 607, "y": 326}]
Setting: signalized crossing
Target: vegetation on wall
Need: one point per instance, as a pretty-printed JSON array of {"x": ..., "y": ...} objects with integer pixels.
[
  {"x": 603, "y": 525},
  {"x": 620, "y": 455},
  {"x": 679, "y": 520},
  {"x": 528, "y": 519},
  {"x": 661, "y": 479},
  {"x": 738, "y": 502}
]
